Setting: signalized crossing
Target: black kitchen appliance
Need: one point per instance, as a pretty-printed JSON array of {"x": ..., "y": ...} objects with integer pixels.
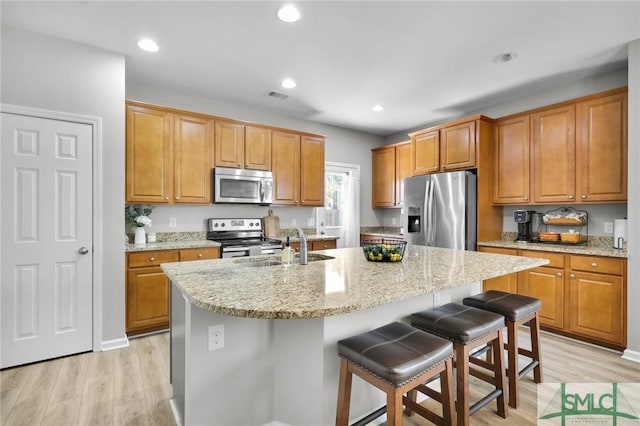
[
  {"x": 523, "y": 219},
  {"x": 241, "y": 237}
]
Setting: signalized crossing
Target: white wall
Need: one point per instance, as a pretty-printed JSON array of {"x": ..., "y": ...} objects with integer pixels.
[
  {"x": 633, "y": 246},
  {"x": 342, "y": 145},
  {"x": 48, "y": 73}
]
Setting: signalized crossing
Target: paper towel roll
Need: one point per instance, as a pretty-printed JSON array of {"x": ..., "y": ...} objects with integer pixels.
[{"x": 619, "y": 232}]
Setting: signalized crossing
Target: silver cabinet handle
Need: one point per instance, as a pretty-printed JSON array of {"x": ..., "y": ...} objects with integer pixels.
[
  {"x": 199, "y": 254},
  {"x": 572, "y": 275},
  {"x": 584, "y": 197},
  {"x": 177, "y": 198},
  {"x": 83, "y": 250},
  {"x": 559, "y": 274},
  {"x": 526, "y": 198},
  {"x": 594, "y": 265},
  {"x": 151, "y": 259},
  {"x": 570, "y": 197}
]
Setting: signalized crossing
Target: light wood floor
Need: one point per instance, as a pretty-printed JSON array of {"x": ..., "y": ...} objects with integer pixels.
[{"x": 131, "y": 386}]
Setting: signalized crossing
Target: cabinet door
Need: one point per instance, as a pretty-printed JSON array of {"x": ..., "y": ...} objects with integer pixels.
[
  {"x": 148, "y": 155},
  {"x": 257, "y": 148},
  {"x": 508, "y": 283},
  {"x": 147, "y": 300},
  {"x": 384, "y": 177},
  {"x": 602, "y": 150},
  {"x": 458, "y": 147},
  {"x": 403, "y": 170},
  {"x": 511, "y": 161},
  {"x": 229, "y": 144},
  {"x": 200, "y": 253},
  {"x": 425, "y": 153},
  {"x": 546, "y": 284},
  {"x": 312, "y": 171},
  {"x": 597, "y": 306},
  {"x": 554, "y": 155},
  {"x": 285, "y": 165},
  {"x": 193, "y": 159}
]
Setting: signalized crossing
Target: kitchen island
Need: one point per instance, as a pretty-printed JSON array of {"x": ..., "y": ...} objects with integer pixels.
[{"x": 280, "y": 326}]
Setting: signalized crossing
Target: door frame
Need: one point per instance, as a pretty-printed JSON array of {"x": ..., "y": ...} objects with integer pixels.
[{"x": 96, "y": 126}]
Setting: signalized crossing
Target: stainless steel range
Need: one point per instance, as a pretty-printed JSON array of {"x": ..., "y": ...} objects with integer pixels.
[{"x": 241, "y": 237}]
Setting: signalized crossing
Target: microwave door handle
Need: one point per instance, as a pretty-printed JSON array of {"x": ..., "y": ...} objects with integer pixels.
[{"x": 261, "y": 190}]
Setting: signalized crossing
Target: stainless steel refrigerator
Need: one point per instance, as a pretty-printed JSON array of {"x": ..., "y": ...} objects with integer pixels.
[{"x": 440, "y": 210}]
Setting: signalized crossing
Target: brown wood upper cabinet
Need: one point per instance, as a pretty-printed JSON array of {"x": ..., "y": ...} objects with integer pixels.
[
  {"x": 390, "y": 165},
  {"x": 575, "y": 152},
  {"x": 452, "y": 147},
  {"x": 511, "y": 161},
  {"x": 168, "y": 156},
  {"x": 297, "y": 163},
  {"x": 242, "y": 146}
]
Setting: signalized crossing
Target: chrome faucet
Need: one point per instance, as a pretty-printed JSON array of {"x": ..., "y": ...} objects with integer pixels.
[{"x": 303, "y": 247}]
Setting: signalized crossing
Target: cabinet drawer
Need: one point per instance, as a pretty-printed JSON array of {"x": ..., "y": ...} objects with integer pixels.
[
  {"x": 498, "y": 250},
  {"x": 556, "y": 260},
  {"x": 200, "y": 254},
  {"x": 602, "y": 265},
  {"x": 323, "y": 245},
  {"x": 152, "y": 258}
]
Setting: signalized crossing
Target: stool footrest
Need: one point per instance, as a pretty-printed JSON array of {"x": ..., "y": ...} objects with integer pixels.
[
  {"x": 371, "y": 417},
  {"x": 484, "y": 401},
  {"x": 533, "y": 364}
]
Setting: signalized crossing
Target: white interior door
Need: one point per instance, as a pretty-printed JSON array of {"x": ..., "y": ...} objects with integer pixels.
[{"x": 47, "y": 242}]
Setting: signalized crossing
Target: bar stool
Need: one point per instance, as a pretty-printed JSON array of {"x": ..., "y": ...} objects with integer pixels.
[
  {"x": 397, "y": 358},
  {"x": 469, "y": 328},
  {"x": 517, "y": 310}
]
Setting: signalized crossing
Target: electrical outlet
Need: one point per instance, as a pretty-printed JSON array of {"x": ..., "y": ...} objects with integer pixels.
[
  {"x": 393, "y": 220},
  {"x": 172, "y": 222},
  {"x": 310, "y": 221},
  {"x": 216, "y": 337},
  {"x": 293, "y": 222},
  {"x": 608, "y": 227}
]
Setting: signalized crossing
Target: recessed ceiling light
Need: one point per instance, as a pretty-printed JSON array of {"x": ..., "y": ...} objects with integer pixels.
[
  {"x": 377, "y": 108},
  {"x": 148, "y": 45},
  {"x": 504, "y": 57},
  {"x": 288, "y": 83},
  {"x": 289, "y": 13}
]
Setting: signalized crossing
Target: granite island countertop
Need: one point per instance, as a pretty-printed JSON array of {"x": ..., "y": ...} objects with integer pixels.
[
  {"x": 557, "y": 248},
  {"x": 344, "y": 284}
]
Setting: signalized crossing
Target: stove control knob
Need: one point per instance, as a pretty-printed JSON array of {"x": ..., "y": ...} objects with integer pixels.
[
  {"x": 215, "y": 225},
  {"x": 222, "y": 224},
  {"x": 250, "y": 223}
]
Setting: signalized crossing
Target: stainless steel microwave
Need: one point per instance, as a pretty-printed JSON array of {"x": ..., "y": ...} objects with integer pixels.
[{"x": 242, "y": 186}]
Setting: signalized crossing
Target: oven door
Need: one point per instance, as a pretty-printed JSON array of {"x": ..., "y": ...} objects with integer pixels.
[{"x": 243, "y": 251}]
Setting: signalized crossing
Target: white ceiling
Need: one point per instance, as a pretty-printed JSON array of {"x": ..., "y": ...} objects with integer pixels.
[{"x": 424, "y": 61}]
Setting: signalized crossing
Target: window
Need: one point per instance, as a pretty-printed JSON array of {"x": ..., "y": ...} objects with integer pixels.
[{"x": 335, "y": 195}]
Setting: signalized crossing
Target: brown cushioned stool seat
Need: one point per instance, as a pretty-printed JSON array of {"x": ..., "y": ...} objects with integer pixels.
[
  {"x": 469, "y": 328},
  {"x": 397, "y": 358},
  {"x": 517, "y": 309}
]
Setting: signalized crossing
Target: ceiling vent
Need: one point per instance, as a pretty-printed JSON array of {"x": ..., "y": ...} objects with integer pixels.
[{"x": 278, "y": 95}]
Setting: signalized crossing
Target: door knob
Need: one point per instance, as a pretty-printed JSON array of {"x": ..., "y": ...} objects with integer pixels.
[{"x": 83, "y": 250}]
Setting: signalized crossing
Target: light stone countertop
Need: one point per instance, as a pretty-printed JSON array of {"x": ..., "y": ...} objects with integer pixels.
[
  {"x": 171, "y": 245},
  {"x": 347, "y": 283},
  {"x": 557, "y": 248}
]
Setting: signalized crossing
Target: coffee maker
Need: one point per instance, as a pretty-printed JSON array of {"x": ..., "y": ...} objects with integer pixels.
[{"x": 523, "y": 219}]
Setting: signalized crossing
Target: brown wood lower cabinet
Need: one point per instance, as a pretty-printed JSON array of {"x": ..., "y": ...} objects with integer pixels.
[
  {"x": 582, "y": 296},
  {"x": 147, "y": 287},
  {"x": 316, "y": 245}
]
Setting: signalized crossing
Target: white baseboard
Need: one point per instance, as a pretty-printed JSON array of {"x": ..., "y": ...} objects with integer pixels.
[
  {"x": 631, "y": 355},
  {"x": 175, "y": 412},
  {"x": 108, "y": 345}
]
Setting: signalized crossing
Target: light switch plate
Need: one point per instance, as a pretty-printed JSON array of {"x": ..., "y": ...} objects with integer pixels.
[{"x": 608, "y": 227}]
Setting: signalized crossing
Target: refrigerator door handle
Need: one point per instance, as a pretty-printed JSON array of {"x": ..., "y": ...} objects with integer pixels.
[{"x": 429, "y": 214}]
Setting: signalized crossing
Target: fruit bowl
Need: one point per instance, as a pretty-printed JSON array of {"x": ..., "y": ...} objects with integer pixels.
[{"x": 384, "y": 250}]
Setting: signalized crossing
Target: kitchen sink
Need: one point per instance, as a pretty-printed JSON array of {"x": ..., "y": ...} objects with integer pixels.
[{"x": 257, "y": 262}]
